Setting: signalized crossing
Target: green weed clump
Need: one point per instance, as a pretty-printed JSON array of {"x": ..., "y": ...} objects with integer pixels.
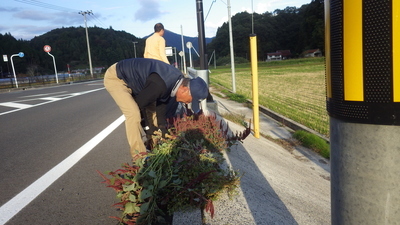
[
  {"x": 313, "y": 142},
  {"x": 235, "y": 97},
  {"x": 183, "y": 171}
]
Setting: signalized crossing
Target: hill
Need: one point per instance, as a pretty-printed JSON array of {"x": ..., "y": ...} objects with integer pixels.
[
  {"x": 175, "y": 40},
  {"x": 69, "y": 47},
  {"x": 291, "y": 29}
]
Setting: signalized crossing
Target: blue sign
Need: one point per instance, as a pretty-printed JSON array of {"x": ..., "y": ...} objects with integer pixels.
[{"x": 21, "y": 54}]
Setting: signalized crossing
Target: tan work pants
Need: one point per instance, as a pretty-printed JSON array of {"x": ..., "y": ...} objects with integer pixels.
[{"x": 122, "y": 95}]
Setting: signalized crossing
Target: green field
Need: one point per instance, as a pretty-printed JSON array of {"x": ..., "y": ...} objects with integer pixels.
[{"x": 294, "y": 88}]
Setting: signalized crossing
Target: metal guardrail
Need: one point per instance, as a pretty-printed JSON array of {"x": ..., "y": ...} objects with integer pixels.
[
  {"x": 193, "y": 73},
  {"x": 6, "y": 83}
]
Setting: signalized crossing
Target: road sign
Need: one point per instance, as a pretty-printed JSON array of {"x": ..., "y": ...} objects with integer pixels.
[
  {"x": 21, "y": 54},
  {"x": 5, "y": 58},
  {"x": 168, "y": 51},
  {"x": 47, "y": 48}
]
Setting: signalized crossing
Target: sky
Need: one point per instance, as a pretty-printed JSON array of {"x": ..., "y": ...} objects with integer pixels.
[{"x": 25, "y": 19}]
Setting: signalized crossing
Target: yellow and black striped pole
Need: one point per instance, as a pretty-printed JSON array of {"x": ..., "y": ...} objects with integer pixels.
[
  {"x": 254, "y": 78},
  {"x": 363, "y": 101}
]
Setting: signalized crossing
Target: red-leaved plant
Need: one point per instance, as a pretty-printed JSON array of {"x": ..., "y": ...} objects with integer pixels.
[{"x": 183, "y": 171}]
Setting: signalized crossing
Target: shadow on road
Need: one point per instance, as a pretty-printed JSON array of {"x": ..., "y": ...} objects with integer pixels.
[{"x": 263, "y": 202}]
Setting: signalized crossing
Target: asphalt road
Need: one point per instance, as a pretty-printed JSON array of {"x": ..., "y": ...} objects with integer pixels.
[{"x": 52, "y": 141}]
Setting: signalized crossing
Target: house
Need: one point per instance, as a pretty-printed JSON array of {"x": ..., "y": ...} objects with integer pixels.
[
  {"x": 279, "y": 55},
  {"x": 312, "y": 53}
]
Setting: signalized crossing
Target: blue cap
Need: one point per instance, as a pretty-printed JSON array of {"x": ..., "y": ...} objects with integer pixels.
[{"x": 198, "y": 91}]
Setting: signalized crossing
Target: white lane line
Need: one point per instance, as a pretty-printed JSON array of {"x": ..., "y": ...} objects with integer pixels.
[
  {"x": 50, "y": 99},
  {"x": 16, "y": 105},
  {"x": 30, "y": 96},
  {"x": 16, "y": 204},
  {"x": 69, "y": 96}
]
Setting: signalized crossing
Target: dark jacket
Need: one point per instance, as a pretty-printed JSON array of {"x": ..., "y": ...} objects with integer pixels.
[
  {"x": 151, "y": 81},
  {"x": 136, "y": 71}
]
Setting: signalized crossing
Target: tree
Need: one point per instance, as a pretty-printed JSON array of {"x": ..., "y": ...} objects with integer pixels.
[{"x": 294, "y": 29}]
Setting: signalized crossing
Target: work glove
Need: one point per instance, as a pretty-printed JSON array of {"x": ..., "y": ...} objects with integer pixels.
[
  {"x": 163, "y": 131},
  {"x": 150, "y": 130}
]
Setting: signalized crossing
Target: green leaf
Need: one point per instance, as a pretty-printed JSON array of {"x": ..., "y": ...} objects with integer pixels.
[
  {"x": 137, "y": 208},
  {"x": 162, "y": 184},
  {"x": 144, "y": 207},
  {"x": 132, "y": 198},
  {"x": 177, "y": 181},
  {"x": 144, "y": 194},
  {"x": 130, "y": 208},
  {"x": 152, "y": 174},
  {"x": 131, "y": 187}
]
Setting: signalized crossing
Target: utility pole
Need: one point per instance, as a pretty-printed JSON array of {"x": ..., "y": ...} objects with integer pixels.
[
  {"x": 363, "y": 99},
  {"x": 231, "y": 48},
  {"x": 183, "y": 52},
  {"x": 202, "y": 40},
  {"x": 87, "y": 40},
  {"x": 134, "y": 46}
]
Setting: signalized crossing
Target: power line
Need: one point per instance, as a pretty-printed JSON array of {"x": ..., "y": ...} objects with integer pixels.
[
  {"x": 97, "y": 19},
  {"x": 46, "y": 5},
  {"x": 59, "y": 8},
  {"x": 209, "y": 9}
]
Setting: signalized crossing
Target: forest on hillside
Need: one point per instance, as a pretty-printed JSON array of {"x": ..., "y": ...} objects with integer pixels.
[{"x": 294, "y": 29}]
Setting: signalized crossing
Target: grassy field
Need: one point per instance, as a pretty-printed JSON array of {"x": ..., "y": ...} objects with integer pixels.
[{"x": 294, "y": 88}]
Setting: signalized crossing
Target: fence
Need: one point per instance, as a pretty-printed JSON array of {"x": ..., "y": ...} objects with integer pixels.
[
  {"x": 42, "y": 80},
  {"x": 293, "y": 88}
]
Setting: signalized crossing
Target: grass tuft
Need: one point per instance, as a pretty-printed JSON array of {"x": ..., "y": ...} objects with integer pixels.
[
  {"x": 313, "y": 142},
  {"x": 235, "y": 97}
]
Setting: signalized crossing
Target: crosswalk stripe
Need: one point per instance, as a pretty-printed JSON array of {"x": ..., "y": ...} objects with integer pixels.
[{"x": 16, "y": 105}]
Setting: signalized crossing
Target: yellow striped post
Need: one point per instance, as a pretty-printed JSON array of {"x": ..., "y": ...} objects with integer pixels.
[
  {"x": 254, "y": 75},
  {"x": 363, "y": 102},
  {"x": 352, "y": 50},
  {"x": 396, "y": 49}
]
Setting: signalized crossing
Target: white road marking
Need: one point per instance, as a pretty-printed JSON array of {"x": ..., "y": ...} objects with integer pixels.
[
  {"x": 21, "y": 106},
  {"x": 30, "y": 96},
  {"x": 50, "y": 99},
  {"x": 16, "y": 105},
  {"x": 16, "y": 204}
]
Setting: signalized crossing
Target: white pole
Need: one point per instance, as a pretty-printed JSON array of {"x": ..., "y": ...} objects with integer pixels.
[
  {"x": 55, "y": 68},
  {"x": 181, "y": 62},
  {"x": 212, "y": 55},
  {"x": 183, "y": 50},
  {"x": 215, "y": 60},
  {"x": 190, "y": 57},
  {"x": 231, "y": 47},
  {"x": 87, "y": 40},
  {"x": 12, "y": 64},
  {"x": 176, "y": 60},
  {"x": 134, "y": 46}
]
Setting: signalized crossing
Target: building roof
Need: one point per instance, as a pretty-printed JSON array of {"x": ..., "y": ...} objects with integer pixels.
[{"x": 280, "y": 52}]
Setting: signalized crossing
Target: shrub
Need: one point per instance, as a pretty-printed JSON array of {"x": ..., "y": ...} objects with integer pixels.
[{"x": 183, "y": 171}]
